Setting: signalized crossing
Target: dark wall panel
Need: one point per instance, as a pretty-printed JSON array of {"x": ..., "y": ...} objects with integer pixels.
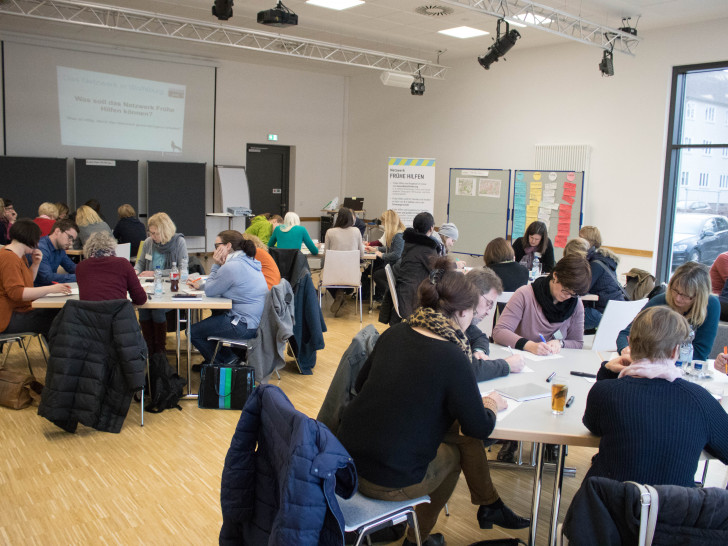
[
  {"x": 112, "y": 183},
  {"x": 30, "y": 181},
  {"x": 179, "y": 190}
]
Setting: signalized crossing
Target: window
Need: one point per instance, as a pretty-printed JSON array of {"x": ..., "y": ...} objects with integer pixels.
[
  {"x": 690, "y": 111},
  {"x": 721, "y": 224},
  {"x": 710, "y": 114},
  {"x": 707, "y": 150},
  {"x": 704, "y": 180},
  {"x": 725, "y": 153},
  {"x": 723, "y": 183},
  {"x": 684, "y": 178}
]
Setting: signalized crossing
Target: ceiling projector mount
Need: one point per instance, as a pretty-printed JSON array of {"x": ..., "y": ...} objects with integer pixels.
[{"x": 279, "y": 16}]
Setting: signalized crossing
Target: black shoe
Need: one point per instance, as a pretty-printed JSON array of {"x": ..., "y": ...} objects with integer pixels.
[
  {"x": 435, "y": 539},
  {"x": 502, "y": 517},
  {"x": 507, "y": 451},
  {"x": 551, "y": 455}
]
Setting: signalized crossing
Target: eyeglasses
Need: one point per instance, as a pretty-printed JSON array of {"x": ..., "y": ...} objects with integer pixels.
[
  {"x": 684, "y": 296},
  {"x": 567, "y": 292},
  {"x": 218, "y": 244},
  {"x": 71, "y": 238},
  {"x": 488, "y": 303}
]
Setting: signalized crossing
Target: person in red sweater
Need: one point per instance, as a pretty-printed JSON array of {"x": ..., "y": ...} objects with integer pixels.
[
  {"x": 105, "y": 276},
  {"x": 719, "y": 273},
  {"x": 16, "y": 282},
  {"x": 47, "y": 216}
]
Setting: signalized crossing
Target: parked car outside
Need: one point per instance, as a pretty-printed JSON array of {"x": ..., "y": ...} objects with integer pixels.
[
  {"x": 693, "y": 206},
  {"x": 698, "y": 238}
]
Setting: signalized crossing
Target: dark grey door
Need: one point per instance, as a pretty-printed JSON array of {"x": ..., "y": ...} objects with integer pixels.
[{"x": 267, "y": 168}]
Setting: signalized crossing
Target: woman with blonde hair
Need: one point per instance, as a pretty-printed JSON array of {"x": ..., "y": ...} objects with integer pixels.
[
  {"x": 270, "y": 269},
  {"x": 592, "y": 235},
  {"x": 88, "y": 222},
  {"x": 163, "y": 248},
  {"x": 47, "y": 216},
  {"x": 292, "y": 235},
  {"x": 688, "y": 293},
  {"x": 390, "y": 250},
  {"x": 63, "y": 210}
]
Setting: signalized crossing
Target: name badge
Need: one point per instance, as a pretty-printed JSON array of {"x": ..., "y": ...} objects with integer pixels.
[
  {"x": 558, "y": 335},
  {"x": 148, "y": 257}
]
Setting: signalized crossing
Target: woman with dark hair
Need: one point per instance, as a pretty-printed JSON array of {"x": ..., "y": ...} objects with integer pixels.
[
  {"x": 499, "y": 256},
  {"x": 688, "y": 293},
  {"x": 16, "y": 282},
  {"x": 417, "y": 386},
  {"x": 129, "y": 229},
  {"x": 236, "y": 275},
  {"x": 547, "y": 315},
  {"x": 535, "y": 242},
  {"x": 343, "y": 236}
]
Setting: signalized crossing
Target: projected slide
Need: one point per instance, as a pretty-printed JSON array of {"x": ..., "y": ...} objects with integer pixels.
[{"x": 109, "y": 111}]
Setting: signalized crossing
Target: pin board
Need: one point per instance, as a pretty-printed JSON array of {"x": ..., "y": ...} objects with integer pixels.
[{"x": 478, "y": 204}]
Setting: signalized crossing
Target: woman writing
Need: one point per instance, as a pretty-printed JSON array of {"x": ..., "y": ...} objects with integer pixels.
[
  {"x": 88, "y": 222},
  {"x": 547, "y": 315},
  {"x": 105, "y": 276},
  {"x": 162, "y": 248},
  {"x": 448, "y": 235},
  {"x": 688, "y": 293},
  {"x": 343, "y": 236},
  {"x": 16, "y": 282},
  {"x": 500, "y": 257},
  {"x": 292, "y": 235},
  {"x": 535, "y": 242},
  {"x": 236, "y": 275},
  {"x": 390, "y": 251},
  {"x": 417, "y": 382}
]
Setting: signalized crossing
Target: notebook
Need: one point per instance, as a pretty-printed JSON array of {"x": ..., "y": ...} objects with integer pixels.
[{"x": 529, "y": 391}]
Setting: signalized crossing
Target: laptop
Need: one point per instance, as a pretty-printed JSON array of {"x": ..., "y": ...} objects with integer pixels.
[{"x": 354, "y": 203}]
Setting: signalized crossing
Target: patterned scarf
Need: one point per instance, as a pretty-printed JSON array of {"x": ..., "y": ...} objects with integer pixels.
[
  {"x": 103, "y": 253},
  {"x": 437, "y": 323}
]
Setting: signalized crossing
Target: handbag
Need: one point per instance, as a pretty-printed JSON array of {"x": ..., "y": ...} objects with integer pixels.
[
  {"x": 18, "y": 390},
  {"x": 225, "y": 387}
]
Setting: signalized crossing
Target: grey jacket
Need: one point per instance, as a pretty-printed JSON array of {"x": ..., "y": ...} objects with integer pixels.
[
  {"x": 267, "y": 352},
  {"x": 178, "y": 254},
  {"x": 84, "y": 232},
  {"x": 341, "y": 390}
]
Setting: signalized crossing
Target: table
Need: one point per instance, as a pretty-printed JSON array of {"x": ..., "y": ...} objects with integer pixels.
[
  {"x": 166, "y": 301},
  {"x": 533, "y": 421}
]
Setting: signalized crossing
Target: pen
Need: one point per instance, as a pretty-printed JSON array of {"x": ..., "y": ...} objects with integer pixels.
[
  {"x": 510, "y": 350},
  {"x": 569, "y": 402},
  {"x": 551, "y": 377},
  {"x": 583, "y": 374},
  {"x": 725, "y": 350},
  {"x": 542, "y": 338}
]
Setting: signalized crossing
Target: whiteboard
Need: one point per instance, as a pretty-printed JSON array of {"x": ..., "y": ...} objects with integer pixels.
[{"x": 231, "y": 188}]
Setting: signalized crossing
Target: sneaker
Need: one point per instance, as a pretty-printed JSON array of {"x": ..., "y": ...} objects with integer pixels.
[
  {"x": 502, "y": 517},
  {"x": 435, "y": 539}
]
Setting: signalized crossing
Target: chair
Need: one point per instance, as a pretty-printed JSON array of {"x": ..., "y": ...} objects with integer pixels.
[
  {"x": 342, "y": 270},
  {"x": 392, "y": 287},
  {"x": 617, "y": 316},
  {"x": 123, "y": 250},
  {"x": 19, "y": 338},
  {"x": 364, "y": 515}
]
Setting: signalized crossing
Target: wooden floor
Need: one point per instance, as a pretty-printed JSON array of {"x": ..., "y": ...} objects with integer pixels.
[{"x": 160, "y": 484}]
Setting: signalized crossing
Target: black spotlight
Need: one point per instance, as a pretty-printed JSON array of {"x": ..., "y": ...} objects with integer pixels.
[
  {"x": 502, "y": 45},
  {"x": 606, "y": 66},
  {"x": 418, "y": 86},
  {"x": 222, "y": 9}
]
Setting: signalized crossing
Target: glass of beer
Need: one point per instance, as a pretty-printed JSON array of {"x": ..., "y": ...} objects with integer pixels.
[{"x": 559, "y": 394}]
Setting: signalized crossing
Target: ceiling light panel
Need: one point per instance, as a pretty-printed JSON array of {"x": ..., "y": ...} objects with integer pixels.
[
  {"x": 463, "y": 32},
  {"x": 335, "y": 4}
]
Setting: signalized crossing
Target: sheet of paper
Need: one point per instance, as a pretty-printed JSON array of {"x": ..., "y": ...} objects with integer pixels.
[
  {"x": 512, "y": 404},
  {"x": 539, "y": 358}
]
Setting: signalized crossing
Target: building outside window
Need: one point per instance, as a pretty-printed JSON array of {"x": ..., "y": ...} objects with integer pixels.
[
  {"x": 704, "y": 180},
  {"x": 710, "y": 114},
  {"x": 723, "y": 182}
]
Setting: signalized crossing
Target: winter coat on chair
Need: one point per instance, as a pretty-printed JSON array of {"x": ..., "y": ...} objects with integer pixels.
[
  {"x": 604, "y": 282},
  {"x": 281, "y": 477},
  {"x": 97, "y": 361},
  {"x": 414, "y": 267}
]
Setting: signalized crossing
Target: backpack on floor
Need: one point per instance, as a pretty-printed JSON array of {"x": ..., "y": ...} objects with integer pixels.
[{"x": 166, "y": 385}]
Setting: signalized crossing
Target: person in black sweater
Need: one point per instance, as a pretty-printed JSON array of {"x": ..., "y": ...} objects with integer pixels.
[
  {"x": 535, "y": 241},
  {"x": 653, "y": 424},
  {"x": 129, "y": 230},
  {"x": 499, "y": 256},
  {"x": 416, "y": 384}
]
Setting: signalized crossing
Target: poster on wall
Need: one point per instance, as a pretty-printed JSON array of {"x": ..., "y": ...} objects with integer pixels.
[{"x": 411, "y": 187}]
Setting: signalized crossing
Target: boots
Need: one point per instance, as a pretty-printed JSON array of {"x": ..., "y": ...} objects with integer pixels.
[
  {"x": 148, "y": 334},
  {"x": 160, "y": 337},
  {"x": 338, "y": 302}
]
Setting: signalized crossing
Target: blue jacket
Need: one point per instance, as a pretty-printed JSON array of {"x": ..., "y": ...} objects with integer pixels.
[
  {"x": 308, "y": 323},
  {"x": 281, "y": 475},
  {"x": 604, "y": 281},
  {"x": 52, "y": 258}
]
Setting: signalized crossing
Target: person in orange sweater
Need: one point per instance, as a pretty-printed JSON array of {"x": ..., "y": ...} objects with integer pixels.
[
  {"x": 16, "y": 282},
  {"x": 270, "y": 268}
]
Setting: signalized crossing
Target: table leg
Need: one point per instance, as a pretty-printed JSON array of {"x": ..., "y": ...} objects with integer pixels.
[
  {"x": 535, "y": 499},
  {"x": 371, "y": 286},
  {"x": 177, "y": 332},
  {"x": 188, "y": 331},
  {"x": 556, "y": 502}
]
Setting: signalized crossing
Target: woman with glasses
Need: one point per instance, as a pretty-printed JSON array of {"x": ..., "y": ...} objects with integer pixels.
[
  {"x": 547, "y": 315},
  {"x": 16, "y": 282},
  {"x": 236, "y": 275},
  {"x": 688, "y": 293}
]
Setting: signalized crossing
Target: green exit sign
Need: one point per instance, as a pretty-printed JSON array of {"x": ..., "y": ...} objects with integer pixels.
[{"x": 272, "y": 137}]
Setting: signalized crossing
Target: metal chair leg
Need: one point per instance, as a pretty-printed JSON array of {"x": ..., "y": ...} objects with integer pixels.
[{"x": 27, "y": 359}]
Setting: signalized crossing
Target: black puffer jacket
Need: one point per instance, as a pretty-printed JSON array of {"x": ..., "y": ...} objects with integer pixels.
[
  {"x": 414, "y": 267},
  {"x": 97, "y": 361},
  {"x": 604, "y": 280}
]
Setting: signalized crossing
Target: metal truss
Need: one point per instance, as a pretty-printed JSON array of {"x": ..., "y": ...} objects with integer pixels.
[
  {"x": 560, "y": 23},
  {"x": 142, "y": 22}
]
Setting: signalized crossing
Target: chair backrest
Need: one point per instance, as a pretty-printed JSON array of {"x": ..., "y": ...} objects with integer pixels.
[
  {"x": 617, "y": 316},
  {"x": 721, "y": 340},
  {"x": 392, "y": 287},
  {"x": 287, "y": 259},
  {"x": 123, "y": 250},
  {"x": 341, "y": 268}
]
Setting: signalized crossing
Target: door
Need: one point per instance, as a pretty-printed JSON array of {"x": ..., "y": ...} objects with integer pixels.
[{"x": 268, "y": 168}]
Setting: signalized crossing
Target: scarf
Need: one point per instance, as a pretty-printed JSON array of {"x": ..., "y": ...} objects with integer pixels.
[
  {"x": 652, "y": 369},
  {"x": 167, "y": 248},
  {"x": 528, "y": 254},
  {"x": 554, "y": 312},
  {"x": 103, "y": 253},
  {"x": 437, "y": 323}
]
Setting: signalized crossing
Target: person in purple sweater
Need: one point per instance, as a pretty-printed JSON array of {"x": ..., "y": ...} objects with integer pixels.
[
  {"x": 547, "y": 315},
  {"x": 105, "y": 276}
]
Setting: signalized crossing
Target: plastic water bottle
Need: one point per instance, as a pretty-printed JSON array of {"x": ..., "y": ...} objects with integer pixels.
[
  {"x": 535, "y": 268},
  {"x": 174, "y": 278},
  {"x": 184, "y": 274},
  {"x": 686, "y": 353},
  {"x": 158, "y": 287}
]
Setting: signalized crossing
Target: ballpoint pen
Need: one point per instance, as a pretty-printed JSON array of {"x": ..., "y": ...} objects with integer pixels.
[
  {"x": 550, "y": 377},
  {"x": 570, "y": 401},
  {"x": 511, "y": 350}
]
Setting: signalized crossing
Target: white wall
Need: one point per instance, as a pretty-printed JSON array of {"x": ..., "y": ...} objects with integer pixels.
[{"x": 552, "y": 95}]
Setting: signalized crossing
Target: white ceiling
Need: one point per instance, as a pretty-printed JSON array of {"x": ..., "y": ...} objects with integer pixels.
[{"x": 383, "y": 25}]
